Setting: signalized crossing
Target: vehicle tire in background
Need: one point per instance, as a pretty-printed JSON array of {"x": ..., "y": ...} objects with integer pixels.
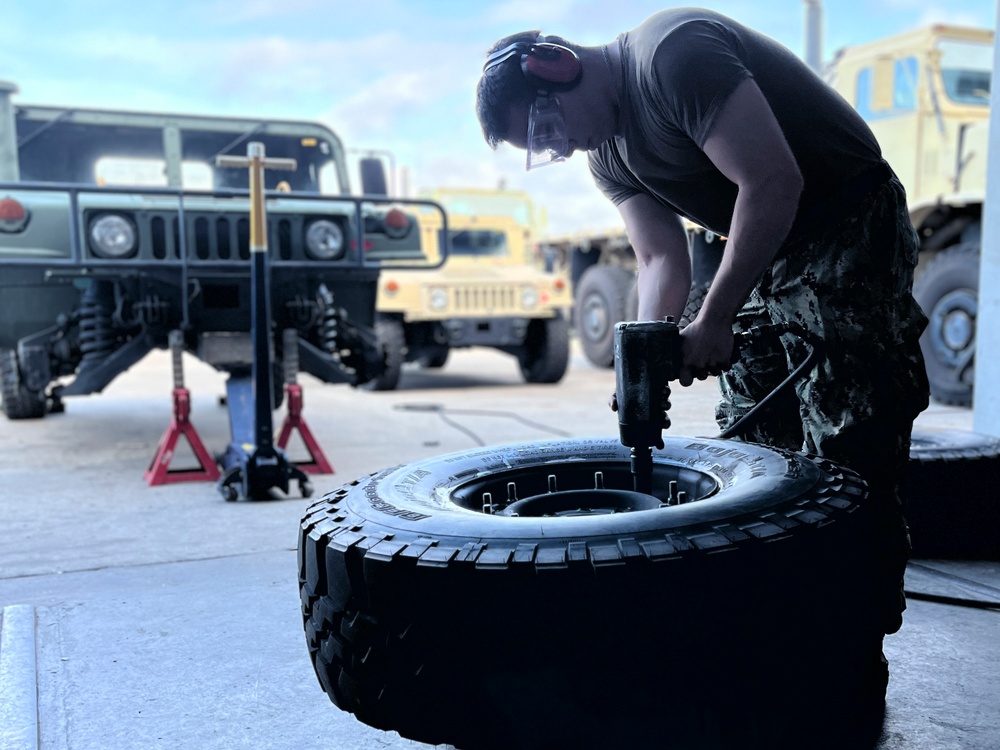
[
  {"x": 947, "y": 290},
  {"x": 593, "y": 618},
  {"x": 545, "y": 354},
  {"x": 18, "y": 401},
  {"x": 951, "y": 494},
  {"x": 393, "y": 340},
  {"x": 434, "y": 357},
  {"x": 601, "y": 301}
]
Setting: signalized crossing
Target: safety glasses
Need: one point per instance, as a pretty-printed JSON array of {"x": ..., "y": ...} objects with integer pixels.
[{"x": 548, "y": 141}]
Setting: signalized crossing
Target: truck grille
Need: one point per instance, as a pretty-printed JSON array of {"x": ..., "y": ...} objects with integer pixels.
[
  {"x": 213, "y": 236},
  {"x": 478, "y": 298}
]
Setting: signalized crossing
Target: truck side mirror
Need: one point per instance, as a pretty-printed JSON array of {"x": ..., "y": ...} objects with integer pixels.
[{"x": 373, "y": 180}]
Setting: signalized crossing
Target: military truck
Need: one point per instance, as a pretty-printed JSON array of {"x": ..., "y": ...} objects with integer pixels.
[
  {"x": 491, "y": 292},
  {"x": 925, "y": 95},
  {"x": 117, "y": 228}
]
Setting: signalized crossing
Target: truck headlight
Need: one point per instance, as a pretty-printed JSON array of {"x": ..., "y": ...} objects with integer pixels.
[
  {"x": 113, "y": 236},
  {"x": 529, "y": 298},
  {"x": 324, "y": 240},
  {"x": 439, "y": 299}
]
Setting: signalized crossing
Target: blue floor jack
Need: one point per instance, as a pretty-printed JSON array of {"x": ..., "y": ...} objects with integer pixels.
[{"x": 253, "y": 464}]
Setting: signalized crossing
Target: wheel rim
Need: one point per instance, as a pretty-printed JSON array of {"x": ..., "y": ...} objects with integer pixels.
[
  {"x": 953, "y": 327},
  {"x": 572, "y": 489},
  {"x": 595, "y": 317}
]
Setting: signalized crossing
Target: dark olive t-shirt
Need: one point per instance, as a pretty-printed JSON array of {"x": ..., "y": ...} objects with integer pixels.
[{"x": 680, "y": 66}]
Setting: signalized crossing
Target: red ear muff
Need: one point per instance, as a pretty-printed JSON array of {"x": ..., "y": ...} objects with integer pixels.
[{"x": 547, "y": 64}]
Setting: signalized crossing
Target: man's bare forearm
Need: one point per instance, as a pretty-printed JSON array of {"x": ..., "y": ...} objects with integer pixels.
[
  {"x": 762, "y": 219},
  {"x": 663, "y": 288}
]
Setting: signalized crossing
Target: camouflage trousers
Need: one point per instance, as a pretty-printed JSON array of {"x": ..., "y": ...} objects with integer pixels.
[{"x": 850, "y": 284}]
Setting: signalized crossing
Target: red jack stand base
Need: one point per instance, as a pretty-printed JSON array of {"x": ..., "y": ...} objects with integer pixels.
[
  {"x": 294, "y": 421},
  {"x": 159, "y": 471}
]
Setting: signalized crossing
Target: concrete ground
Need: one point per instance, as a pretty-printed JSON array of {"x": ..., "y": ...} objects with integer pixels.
[{"x": 163, "y": 617}]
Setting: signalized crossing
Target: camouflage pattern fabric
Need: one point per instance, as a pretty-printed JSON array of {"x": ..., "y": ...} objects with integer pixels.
[{"x": 850, "y": 284}]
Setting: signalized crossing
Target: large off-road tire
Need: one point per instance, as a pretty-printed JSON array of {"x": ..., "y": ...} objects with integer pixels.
[
  {"x": 593, "y": 618},
  {"x": 947, "y": 290},
  {"x": 545, "y": 354},
  {"x": 601, "y": 301},
  {"x": 952, "y": 502},
  {"x": 392, "y": 338},
  {"x": 18, "y": 401}
]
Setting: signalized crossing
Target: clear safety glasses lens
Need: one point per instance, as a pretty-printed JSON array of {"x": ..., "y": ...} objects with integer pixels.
[{"x": 548, "y": 141}]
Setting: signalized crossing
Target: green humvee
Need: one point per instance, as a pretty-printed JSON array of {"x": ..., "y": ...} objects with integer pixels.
[{"x": 116, "y": 228}]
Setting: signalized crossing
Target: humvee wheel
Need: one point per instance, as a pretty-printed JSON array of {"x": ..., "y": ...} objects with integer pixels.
[
  {"x": 393, "y": 340},
  {"x": 545, "y": 354},
  {"x": 435, "y": 357},
  {"x": 18, "y": 401},
  {"x": 554, "y": 607}
]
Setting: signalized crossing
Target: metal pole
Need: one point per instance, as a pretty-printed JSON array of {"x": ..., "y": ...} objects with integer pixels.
[
  {"x": 986, "y": 406},
  {"x": 814, "y": 35},
  {"x": 260, "y": 298},
  {"x": 9, "y": 167}
]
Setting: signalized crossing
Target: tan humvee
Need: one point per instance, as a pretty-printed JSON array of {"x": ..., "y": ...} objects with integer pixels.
[{"x": 491, "y": 292}]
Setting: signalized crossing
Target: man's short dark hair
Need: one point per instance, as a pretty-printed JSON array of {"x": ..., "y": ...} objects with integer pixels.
[{"x": 502, "y": 87}]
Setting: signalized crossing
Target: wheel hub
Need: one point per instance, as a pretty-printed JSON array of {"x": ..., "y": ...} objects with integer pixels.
[
  {"x": 595, "y": 317},
  {"x": 582, "y": 490},
  {"x": 953, "y": 325}
]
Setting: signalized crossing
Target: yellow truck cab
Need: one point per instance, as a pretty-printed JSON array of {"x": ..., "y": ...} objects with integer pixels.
[{"x": 492, "y": 292}]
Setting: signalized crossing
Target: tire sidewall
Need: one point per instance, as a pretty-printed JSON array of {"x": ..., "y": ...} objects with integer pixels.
[{"x": 419, "y": 498}]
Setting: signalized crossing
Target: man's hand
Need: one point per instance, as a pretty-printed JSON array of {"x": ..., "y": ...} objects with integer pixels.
[{"x": 706, "y": 349}]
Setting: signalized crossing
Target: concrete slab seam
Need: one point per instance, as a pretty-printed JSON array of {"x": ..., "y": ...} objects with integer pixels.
[{"x": 18, "y": 679}]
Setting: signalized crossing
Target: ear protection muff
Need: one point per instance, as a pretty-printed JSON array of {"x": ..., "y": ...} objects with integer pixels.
[{"x": 548, "y": 66}]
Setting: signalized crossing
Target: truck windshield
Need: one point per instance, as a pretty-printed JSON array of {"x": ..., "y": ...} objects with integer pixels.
[
  {"x": 478, "y": 242},
  {"x": 461, "y": 203},
  {"x": 965, "y": 70},
  {"x": 128, "y": 149}
]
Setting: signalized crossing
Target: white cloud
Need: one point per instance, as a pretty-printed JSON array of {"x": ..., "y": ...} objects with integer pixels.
[
  {"x": 241, "y": 11},
  {"x": 531, "y": 14}
]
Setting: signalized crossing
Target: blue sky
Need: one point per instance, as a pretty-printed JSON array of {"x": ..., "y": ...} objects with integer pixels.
[{"x": 396, "y": 75}]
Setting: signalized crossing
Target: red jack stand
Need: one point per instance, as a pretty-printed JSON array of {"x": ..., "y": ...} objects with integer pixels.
[
  {"x": 159, "y": 471},
  {"x": 294, "y": 421}
]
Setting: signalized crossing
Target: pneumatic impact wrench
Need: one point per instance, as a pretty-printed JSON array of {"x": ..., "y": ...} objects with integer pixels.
[{"x": 647, "y": 357}]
